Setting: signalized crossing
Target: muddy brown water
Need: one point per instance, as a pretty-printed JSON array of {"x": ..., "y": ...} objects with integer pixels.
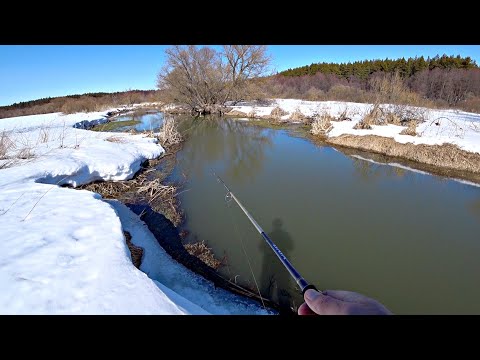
[{"x": 408, "y": 239}]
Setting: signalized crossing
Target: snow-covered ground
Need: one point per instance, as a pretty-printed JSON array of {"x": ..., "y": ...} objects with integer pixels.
[
  {"x": 455, "y": 127},
  {"x": 63, "y": 250}
]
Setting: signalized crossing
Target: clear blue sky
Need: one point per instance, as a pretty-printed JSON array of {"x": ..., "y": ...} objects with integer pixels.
[{"x": 32, "y": 72}]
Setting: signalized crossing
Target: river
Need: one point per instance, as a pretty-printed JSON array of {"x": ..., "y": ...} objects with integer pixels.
[{"x": 406, "y": 238}]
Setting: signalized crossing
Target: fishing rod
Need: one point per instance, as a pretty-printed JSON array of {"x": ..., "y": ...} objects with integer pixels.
[{"x": 301, "y": 282}]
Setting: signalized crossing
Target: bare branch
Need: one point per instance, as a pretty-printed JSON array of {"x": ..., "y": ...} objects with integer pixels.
[{"x": 205, "y": 79}]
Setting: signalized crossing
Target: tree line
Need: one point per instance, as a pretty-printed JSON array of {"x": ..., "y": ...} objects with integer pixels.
[
  {"x": 78, "y": 102},
  {"x": 363, "y": 69},
  {"x": 445, "y": 81}
]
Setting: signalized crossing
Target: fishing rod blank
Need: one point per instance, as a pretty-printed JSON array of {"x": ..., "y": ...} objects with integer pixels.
[{"x": 302, "y": 283}]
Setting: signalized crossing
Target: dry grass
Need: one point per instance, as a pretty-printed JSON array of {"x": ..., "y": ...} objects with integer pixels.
[
  {"x": 108, "y": 189},
  {"x": 6, "y": 145},
  {"x": 204, "y": 253},
  {"x": 297, "y": 115},
  {"x": 14, "y": 150},
  {"x": 155, "y": 189},
  {"x": 373, "y": 116},
  {"x": 472, "y": 104},
  {"x": 411, "y": 129},
  {"x": 116, "y": 139},
  {"x": 162, "y": 198},
  {"x": 169, "y": 134},
  {"x": 344, "y": 115},
  {"x": 235, "y": 112},
  {"x": 322, "y": 124},
  {"x": 25, "y": 153},
  {"x": 44, "y": 135},
  {"x": 391, "y": 114},
  {"x": 135, "y": 251},
  {"x": 446, "y": 156},
  {"x": 277, "y": 113},
  {"x": 393, "y": 118}
]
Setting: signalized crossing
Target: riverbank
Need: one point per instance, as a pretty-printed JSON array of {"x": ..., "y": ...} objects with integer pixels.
[
  {"x": 155, "y": 202},
  {"x": 446, "y": 139},
  {"x": 64, "y": 251}
]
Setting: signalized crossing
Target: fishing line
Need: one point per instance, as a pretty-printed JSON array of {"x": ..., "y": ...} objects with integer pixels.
[
  {"x": 228, "y": 199},
  {"x": 301, "y": 282}
]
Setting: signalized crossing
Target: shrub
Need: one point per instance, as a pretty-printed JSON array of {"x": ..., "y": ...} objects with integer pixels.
[
  {"x": 322, "y": 124},
  {"x": 343, "y": 116},
  {"x": 471, "y": 105},
  {"x": 168, "y": 134},
  {"x": 374, "y": 116},
  {"x": 297, "y": 115},
  {"x": 277, "y": 113},
  {"x": 411, "y": 129}
]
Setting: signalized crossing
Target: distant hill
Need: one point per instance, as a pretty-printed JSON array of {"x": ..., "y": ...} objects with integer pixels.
[
  {"x": 43, "y": 101},
  {"x": 363, "y": 69},
  {"x": 78, "y": 103}
]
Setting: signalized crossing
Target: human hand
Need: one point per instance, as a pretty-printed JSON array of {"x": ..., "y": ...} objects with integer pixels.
[{"x": 339, "y": 302}]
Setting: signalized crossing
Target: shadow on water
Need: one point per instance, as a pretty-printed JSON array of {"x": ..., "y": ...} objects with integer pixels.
[{"x": 275, "y": 281}]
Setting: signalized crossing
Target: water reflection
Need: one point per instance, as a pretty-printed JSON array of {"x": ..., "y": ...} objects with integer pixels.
[
  {"x": 474, "y": 208},
  {"x": 367, "y": 171},
  {"x": 275, "y": 281},
  {"x": 238, "y": 147},
  {"x": 406, "y": 239},
  {"x": 147, "y": 121}
]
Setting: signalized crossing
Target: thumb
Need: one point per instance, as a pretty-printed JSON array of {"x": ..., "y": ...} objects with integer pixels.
[{"x": 323, "y": 304}]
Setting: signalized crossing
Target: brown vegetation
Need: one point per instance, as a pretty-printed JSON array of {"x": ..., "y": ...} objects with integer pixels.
[
  {"x": 141, "y": 188},
  {"x": 436, "y": 88},
  {"x": 411, "y": 129},
  {"x": 116, "y": 139},
  {"x": 136, "y": 252},
  {"x": 322, "y": 124},
  {"x": 205, "y": 79},
  {"x": 344, "y": 115},
  {"x": 447, "y": 156},
  {"x": 297, "y": 115},
  {"x": 6, "y": 144},
  {"x": 394, "y": 104},
  {"x": 204, "y": 253},
  {"x": 236, "y": 113},
  {"x": 155, "y": 189},
  {"x": 169, "y": 134},
  {"x": 80, "y": 103},
  {"x": 277, "y": 113}
]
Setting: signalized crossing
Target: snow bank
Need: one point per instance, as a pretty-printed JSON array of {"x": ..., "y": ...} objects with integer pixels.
[
  {"x": 63, "y": 250},
  {"x": 455, "y": 127}
]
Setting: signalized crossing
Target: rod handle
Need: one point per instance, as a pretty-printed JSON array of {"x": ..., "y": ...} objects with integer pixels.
[{"x": 309, "y": 286}]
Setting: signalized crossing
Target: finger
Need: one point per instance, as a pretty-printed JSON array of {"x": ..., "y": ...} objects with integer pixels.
[
  {"x": 324, "y": 304},
  {"x": 305, "y": 310},
  {"x": 343, "y": 295}
]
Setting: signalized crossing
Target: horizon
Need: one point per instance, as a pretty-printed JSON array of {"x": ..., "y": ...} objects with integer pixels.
[{"x": 31, "y": 72}]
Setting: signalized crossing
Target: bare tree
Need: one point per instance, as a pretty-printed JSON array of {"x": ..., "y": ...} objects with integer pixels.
[
  {"x": 243, "y": 62},
  {"x": 204, "y": 79}
]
